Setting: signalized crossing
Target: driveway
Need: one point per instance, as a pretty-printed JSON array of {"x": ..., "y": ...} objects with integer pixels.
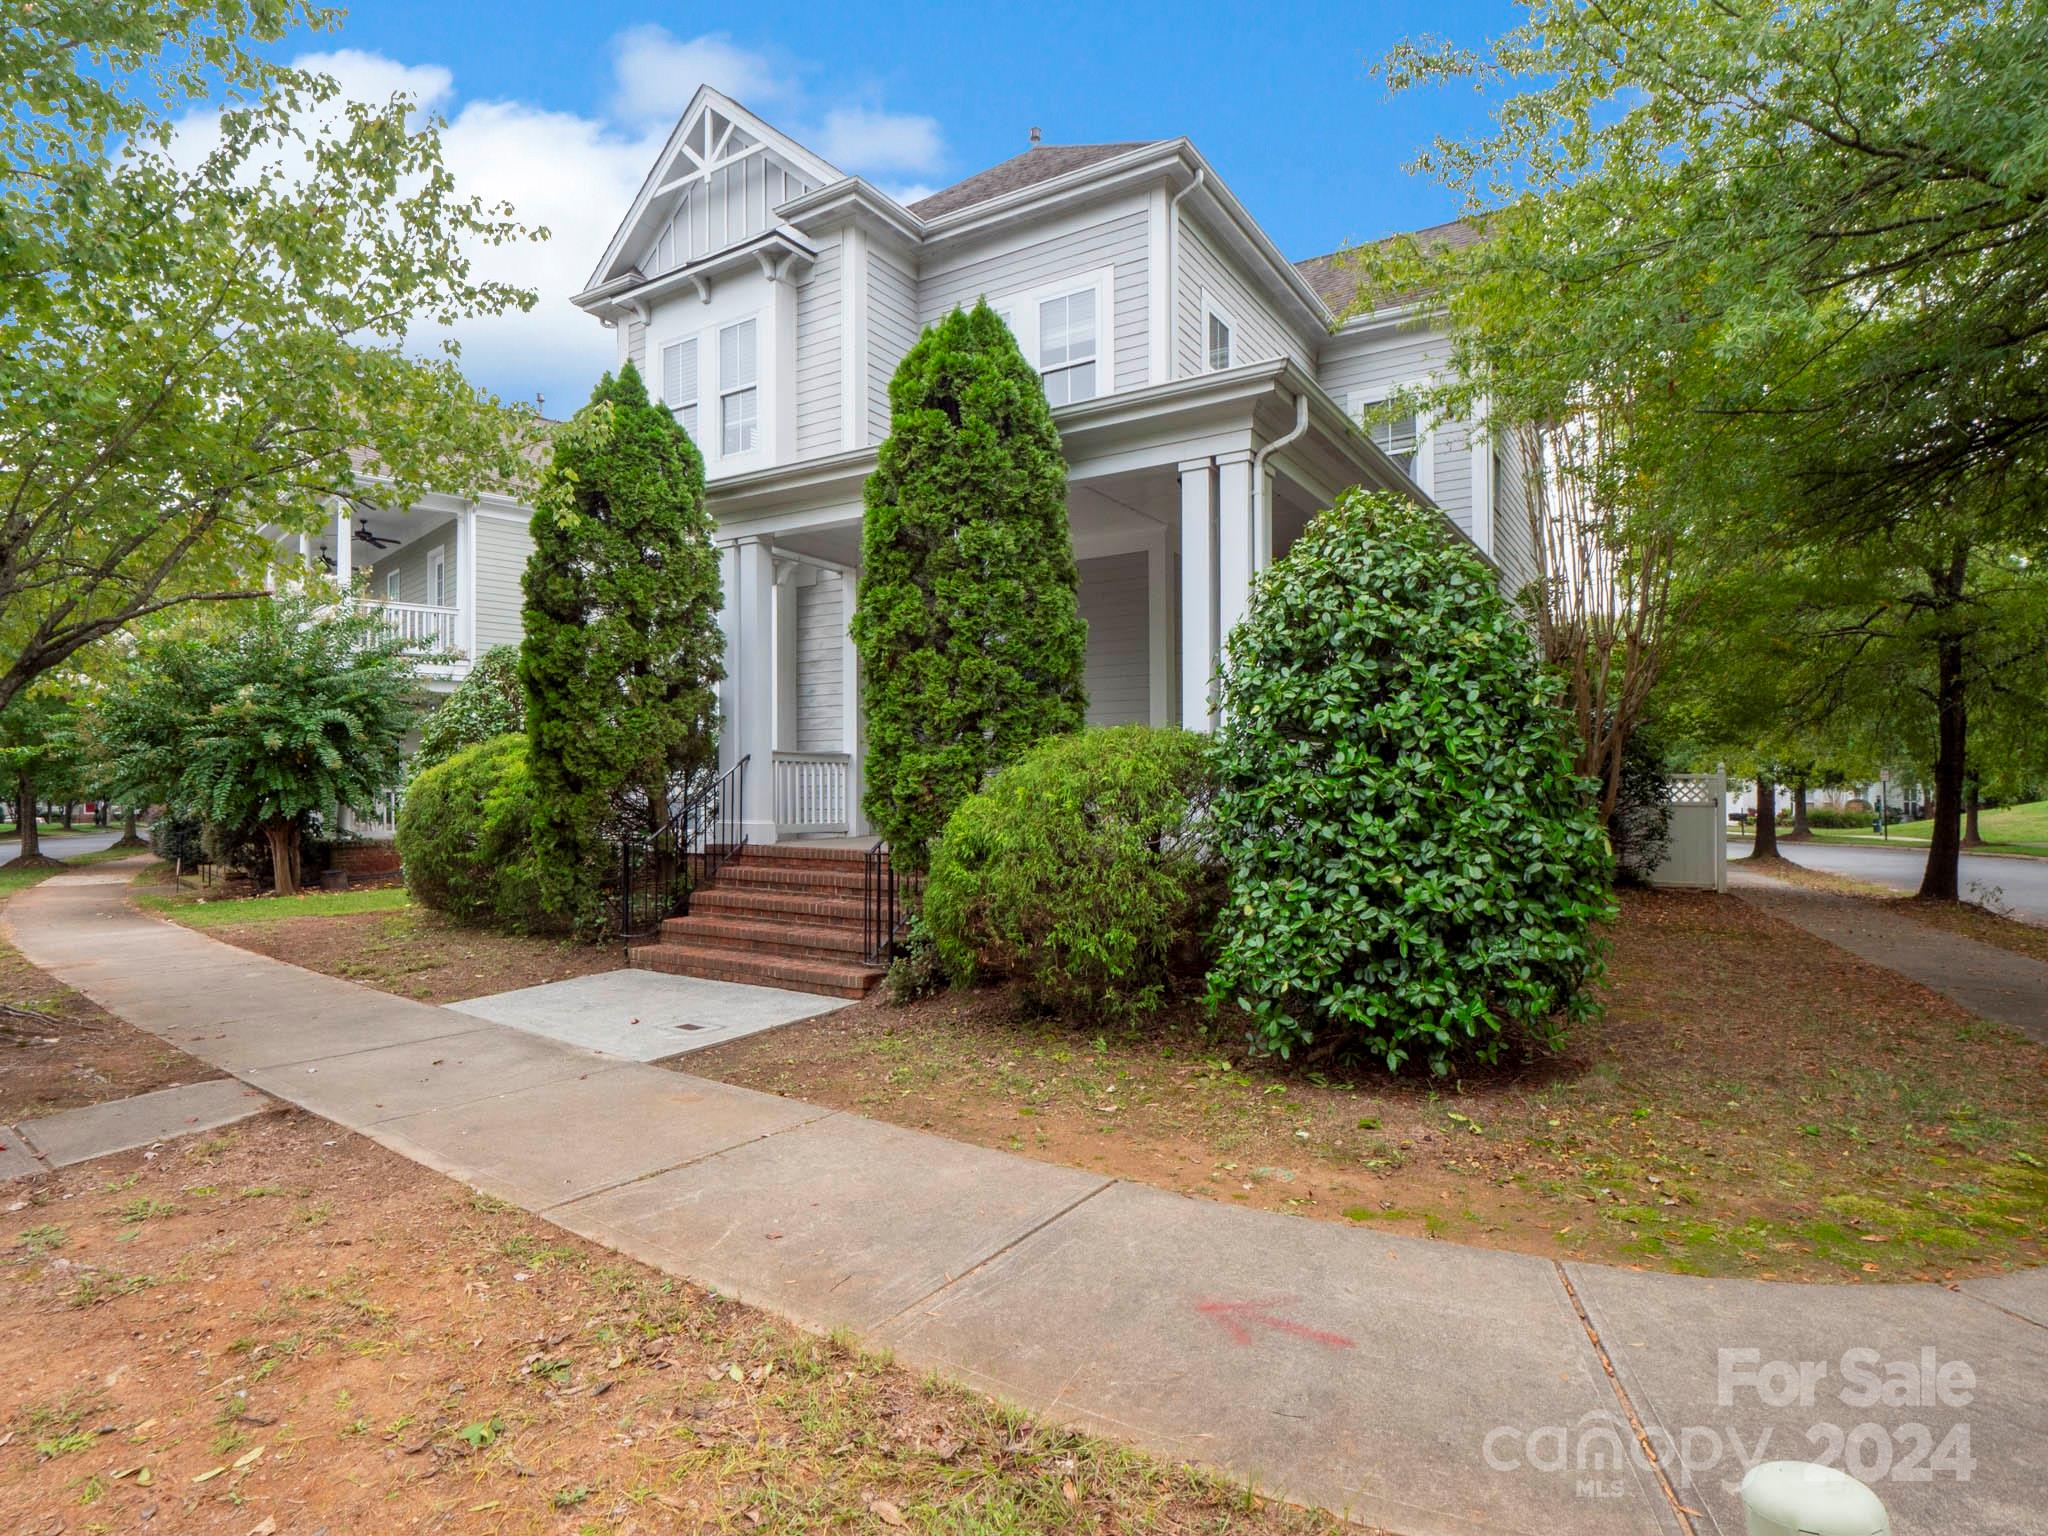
[{"x": 2022, "y": 884}]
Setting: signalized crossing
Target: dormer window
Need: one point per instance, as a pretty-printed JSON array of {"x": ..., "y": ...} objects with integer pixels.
[
  {"x": 679, "y": 382},
  {"x": 739, "y": 397},
  {"x": 1066, "y": 346}
]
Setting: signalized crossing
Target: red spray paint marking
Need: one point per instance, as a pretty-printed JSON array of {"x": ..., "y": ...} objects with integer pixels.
[{"x": 1236, "y": 1315}]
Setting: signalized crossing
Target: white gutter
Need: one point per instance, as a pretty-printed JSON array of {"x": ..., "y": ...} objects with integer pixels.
[
  {"x": 1259, "y": 514},
  {"x": 1173, "y": 268}
]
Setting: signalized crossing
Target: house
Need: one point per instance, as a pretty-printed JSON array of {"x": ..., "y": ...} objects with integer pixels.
[{"x": 1207, "y": 402}]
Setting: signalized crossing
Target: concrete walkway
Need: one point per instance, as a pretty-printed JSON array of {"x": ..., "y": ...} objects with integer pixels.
[
  {"x": 121, "y": 1125},
  {"x": 1423, "y": 1387},
  {"x": 1992, "y": 983}
]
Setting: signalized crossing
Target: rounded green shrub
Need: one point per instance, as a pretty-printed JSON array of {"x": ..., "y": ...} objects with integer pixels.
[
  {"x": 489, "y": 702},
  {"x": 465, "y": 837},
  {"x": 1414, "y": 868},
  {"x": 1082, "y": 871}
]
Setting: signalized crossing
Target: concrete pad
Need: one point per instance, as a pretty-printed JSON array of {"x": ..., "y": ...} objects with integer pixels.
[
  {"x": 366, "y": 1087},
  {"x": 507, "y": 1145},
  {"x": 646, "y": 1015},
  {"x": 79, "y": 1135},
  {"x": 318, "y": 1032},
  {"x": 2024, "y": 1295},
  {"x": 15, "y": 1160},
  {"x": 1389, "y": 1379},
  {"x": 840, "y": 1221},
  {"x": 1704, "y": 1359}
]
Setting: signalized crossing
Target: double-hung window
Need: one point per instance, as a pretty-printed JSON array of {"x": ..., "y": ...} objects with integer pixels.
[
  {"x": 739, "y": 395},
  {"x": 1066, "y": 346},
  {"x": 679, "y": 382},
  {"x": 1399, "y": 441}
]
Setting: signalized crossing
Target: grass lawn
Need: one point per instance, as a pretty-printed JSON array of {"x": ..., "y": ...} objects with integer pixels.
[
  {"x": 1752, "y": 1103},
  {"x": 47, "y": 829},
  {"x": 15, "y": 877},
  {"x": 282, "y": 1326},
  {"x": 2010, "y": 829},
  {"x": 196, "y": 910}
]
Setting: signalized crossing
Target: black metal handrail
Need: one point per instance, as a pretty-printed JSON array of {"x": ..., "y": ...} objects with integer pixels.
[
  {"x": 888, "y": 896},
  {"x": 657, "y": 873}
]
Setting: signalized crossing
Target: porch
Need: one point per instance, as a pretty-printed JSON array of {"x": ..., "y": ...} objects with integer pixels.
[{"x": 1177, "y": 498}]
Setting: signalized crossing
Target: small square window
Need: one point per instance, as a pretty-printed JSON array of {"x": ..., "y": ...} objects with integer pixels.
[{"x": 1398, "y": 440}]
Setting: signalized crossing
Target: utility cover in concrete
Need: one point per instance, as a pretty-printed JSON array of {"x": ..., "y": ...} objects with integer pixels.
[
  {"x": 79, "y": 1135},
  {"x": 645, "y": 1015}
]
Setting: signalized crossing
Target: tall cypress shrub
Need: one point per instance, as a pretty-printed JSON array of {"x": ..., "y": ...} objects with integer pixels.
[
  {"x": 622, "y": 656},
  {"x": 970, "y": 638}
]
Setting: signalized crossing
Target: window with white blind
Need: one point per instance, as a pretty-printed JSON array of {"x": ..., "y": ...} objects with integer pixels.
[
  {"x": 679, "y": 382},
  {"x": 739, "y": 396},
  {"x": 1399, "y": 441},
  {"x": 1066, "y": 346},
  {"x": 1219, "y": 337}
]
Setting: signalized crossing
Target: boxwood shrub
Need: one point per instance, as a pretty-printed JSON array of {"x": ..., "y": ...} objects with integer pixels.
[
  {"x": 1083, "y": 871},
  {"x": 1414, "y": 868},
  {"x": 465, "y": 836}
]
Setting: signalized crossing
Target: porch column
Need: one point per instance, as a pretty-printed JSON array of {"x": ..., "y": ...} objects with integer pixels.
[
  {"x": 1237, "y": 543},
  {"x": 460, "y": 585},
  {"x": 1197, "y": 595},
  {"x": 344, "y": 547},
  {"x": 728, "y": 686},
  {"x": 750, "y": 646},
  {"x": 853, "y": 738},
  {"x": 787, "y": 578}
]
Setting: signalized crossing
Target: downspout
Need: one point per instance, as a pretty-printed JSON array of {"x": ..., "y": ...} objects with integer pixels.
[
  {"x": 1259, "y": 473},
  {"x": 1173, "y": 267}
]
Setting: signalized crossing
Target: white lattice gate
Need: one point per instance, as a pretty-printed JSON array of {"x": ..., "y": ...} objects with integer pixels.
[{"x": 1698, "y": 855}]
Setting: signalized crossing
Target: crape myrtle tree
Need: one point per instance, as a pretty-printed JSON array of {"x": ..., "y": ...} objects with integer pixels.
[
  {"x": 623, "y": 654},
  {"x": 1807, "y": 240},
  {"x": 273, "y": 712},
  {"x": 970, "y": 637},
  {"x": 202, "y": 316}
]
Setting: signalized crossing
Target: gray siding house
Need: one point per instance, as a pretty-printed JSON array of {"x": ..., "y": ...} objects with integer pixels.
[{"x": 1207, "y": 397}]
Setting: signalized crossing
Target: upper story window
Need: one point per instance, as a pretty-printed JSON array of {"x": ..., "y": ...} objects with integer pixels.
[
  {"x": 739, "y": 396},
  {"x": 1219, "y": 338},
  {"x": 1066, "y": 346},
  {"x": 394, "y": 584},
  {"x": 1399, "y": 441},
  {"x": 679, "y": 382},
  {"x": 1059, "y": 328}
]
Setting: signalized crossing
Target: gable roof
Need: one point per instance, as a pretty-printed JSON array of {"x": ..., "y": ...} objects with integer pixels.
[
  {"x": 1039, "y": 163},
  {"x": 1337, "y": 282}
]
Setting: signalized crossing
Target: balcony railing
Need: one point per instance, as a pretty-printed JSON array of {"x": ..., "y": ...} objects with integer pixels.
[
  {"x": 422, "y": 626},
  {"x": 810, "y": 791}
]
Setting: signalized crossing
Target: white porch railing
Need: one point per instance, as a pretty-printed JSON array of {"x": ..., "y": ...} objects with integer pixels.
[
  {"x": 810, "y": 791},
  {"x": 422, "y": 626}
]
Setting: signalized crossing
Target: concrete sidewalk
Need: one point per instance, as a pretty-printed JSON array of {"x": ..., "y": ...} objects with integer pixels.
[
  {"x": 1992, "y": 983},
  {"x": 1422, "y": 1387}
]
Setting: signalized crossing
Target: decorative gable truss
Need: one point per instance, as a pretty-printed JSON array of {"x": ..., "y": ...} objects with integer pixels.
[{"x": 716, "y": 185}]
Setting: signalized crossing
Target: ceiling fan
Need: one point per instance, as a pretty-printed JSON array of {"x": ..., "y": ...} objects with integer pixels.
[{"x": 362, "y": 528}]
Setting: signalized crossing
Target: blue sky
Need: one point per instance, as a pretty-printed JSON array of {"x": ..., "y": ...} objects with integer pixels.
[{"x": 559, "y": 109}]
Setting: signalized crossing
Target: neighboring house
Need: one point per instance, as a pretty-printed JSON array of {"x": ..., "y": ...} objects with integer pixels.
[{"x": 1206, "y": 404}]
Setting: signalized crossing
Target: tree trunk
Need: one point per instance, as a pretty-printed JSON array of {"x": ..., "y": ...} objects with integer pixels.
[
  {"x": 1766, "y": 845},
  {"x": 283, "y": 837},
  {"x": 1972, "y": 838},
  {"x": 129, "y": 837},
  {"x": 70, "y": 809},
  {"x": 1801, "y": 832},
  {"x": 1942, "y": 880},
  {"x": 31, "y": 834}
]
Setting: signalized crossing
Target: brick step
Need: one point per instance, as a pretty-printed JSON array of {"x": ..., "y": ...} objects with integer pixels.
[
  {"x": 824, "y": 978},
  {"x": 801, "y": 853},
  {"x": 816, "y": 909},
  {"x": 771, "y": 936},
  {"x": 792, "y": 875}
]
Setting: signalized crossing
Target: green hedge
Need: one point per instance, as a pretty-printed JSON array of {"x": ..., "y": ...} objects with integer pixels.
[
  {"x": 1414, "y": 867},
  {"x": 465, "y": 835},
  {"x": 1081, "y": 871}
]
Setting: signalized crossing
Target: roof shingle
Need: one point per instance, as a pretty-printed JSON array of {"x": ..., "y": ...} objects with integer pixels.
[
  {"x": 1041, "y": 162},
  {"x": 1337, "y": 282}
]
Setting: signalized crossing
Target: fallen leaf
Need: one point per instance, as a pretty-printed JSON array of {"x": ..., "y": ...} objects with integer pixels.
[
  {"x": 886, "y": 1512},
  {"x": 248, "y": 1458},
  {"x": 209, "y": 1476}
]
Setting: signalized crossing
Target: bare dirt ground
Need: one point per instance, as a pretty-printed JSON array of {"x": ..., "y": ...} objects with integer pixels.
[
  {"x": 59, "y": 1050},
  {"x": 1752, "y": 1103},
  {"x": 283, "y": 1328}
]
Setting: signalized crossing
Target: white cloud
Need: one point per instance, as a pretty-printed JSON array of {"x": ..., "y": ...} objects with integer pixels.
[
  {"x": 881, "y": 143},
  {"x": 656, "y": 73}
]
